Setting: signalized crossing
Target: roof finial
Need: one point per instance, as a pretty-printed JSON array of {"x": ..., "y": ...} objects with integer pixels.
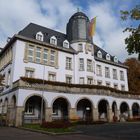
[{"x": 78, "y": 9}]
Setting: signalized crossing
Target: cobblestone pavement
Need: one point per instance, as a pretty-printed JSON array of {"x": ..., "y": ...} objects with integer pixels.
[{"x": 120, "y": 131}]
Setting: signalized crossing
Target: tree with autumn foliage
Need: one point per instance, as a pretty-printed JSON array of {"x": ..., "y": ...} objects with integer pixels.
[
  {"x": 133, "y": 74},
  {"x": 133, "y": 40}
]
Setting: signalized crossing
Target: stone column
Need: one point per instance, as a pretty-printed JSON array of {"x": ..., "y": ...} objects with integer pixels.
[
  {"x": 48, "y": 114},
  {"x": 109, "y": 115},
  {"x": 118, "y": 115},
  {"x": 130, "y": 115},
  {"x": 73, "y": 114},
  {"x": 19, "y": 116},
  {"x": 95, "y": 114}
]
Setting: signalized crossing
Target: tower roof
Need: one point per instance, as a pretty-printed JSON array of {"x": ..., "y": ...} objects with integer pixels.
[{"x": 79, "y": 14}]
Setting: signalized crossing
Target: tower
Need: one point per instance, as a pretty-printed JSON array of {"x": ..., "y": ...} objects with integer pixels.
[{"x": 78, "y": 28}]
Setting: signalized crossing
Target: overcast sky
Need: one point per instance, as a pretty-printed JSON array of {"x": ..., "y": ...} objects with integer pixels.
[{"x": 16, "y": 14}]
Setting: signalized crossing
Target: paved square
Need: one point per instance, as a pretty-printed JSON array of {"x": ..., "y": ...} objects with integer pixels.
[{"x": 119, "y": 131}]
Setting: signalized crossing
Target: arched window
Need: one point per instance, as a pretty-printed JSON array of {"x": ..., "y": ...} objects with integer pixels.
[
  {"x": 65, "y": 44},
  {"x": 115, "y": 59},
  {"x": 107, "y": 57},
  {"x": 99, "y": 54},
  {"x": 53, "y": 40},
  {"x": 39, "y": 36}
]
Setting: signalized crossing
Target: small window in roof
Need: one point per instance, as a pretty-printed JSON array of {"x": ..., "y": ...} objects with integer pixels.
[
  {"x": 99, "y": 54},
  {"x": 53, "y": 40},
  {"x": 65, "y": 44},
  {"x": 107, "y": 57},
  {"x": 115, "y": 59},
  {"x": 39, "y": 36}
]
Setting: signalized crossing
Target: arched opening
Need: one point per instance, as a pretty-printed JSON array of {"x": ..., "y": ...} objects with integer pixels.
[
  {"x": 114, "y": 110},
  {"x": 5, "y": 106},
  {"x": 103, "y": 110},
  {"x": 34, "y": 110},
  {"x": 124, "y": 110},
  {"x": 84, "y": 110},
  {"x": 135, "y": 110},
  {"x": 1, "y": 106},
  {"x": 60, "y": 109}
]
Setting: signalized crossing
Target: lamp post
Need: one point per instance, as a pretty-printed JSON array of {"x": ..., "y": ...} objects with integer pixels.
[{"x": 41, "y": 113}]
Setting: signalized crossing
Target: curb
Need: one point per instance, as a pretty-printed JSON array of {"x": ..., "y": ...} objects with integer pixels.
[{"x": 49, "y": 133}]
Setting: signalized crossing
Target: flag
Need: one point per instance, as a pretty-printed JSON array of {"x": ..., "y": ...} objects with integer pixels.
[{"x": 92, "y": 27}]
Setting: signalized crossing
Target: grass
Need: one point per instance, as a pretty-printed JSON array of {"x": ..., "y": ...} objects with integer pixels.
[{"x": 54, "y": 130}]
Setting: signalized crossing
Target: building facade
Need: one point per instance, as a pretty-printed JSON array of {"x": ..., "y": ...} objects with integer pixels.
[{"x": 50, "y": 75}]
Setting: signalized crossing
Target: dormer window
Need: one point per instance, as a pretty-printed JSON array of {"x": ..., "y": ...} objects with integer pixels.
[
  {"x": 39, "y": 36},
  {"x": 66, "y": 44},
  {"x": 53, "y": 40},
  {"x": 107, "y": 57},
  {"x": 115, "y": 59},
  {"x": 99, "y": 54}
]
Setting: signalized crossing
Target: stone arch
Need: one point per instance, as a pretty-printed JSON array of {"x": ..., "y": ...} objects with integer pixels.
[
  {"x": 1, "y": 105},
  {"x": 13, "y": 101},
  {"x": 103, "y": 108},
  {"x": 124, "y": 110},
  {"x": 135, "y": 109},
  {"x": 114, "y": 111},
  {"x": 84, "y": 108},
  {"x": 60, "y": 107},
  {"x": 5, "y": 105},
  {"x": 84, "y": 98},
  {"x": 34, "y": 109},
  {"x": 61, "y": 97},
  {"x": 46, "y": 103}
]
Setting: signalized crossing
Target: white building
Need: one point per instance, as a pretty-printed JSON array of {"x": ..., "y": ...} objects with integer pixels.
[{"x": 86, "y": 82}]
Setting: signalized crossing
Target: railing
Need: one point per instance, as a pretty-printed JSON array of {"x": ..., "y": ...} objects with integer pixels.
[{"x": 65, "y": 89}]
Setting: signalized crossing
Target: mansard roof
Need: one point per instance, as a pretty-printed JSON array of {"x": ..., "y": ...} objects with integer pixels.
[{"x": 31, "y": 30}]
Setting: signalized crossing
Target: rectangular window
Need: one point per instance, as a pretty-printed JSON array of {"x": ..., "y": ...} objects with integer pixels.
[
  {"x": 81, "y": 64},
  {"x": 108, "y": 84},
  {"x": 52, "y": 77},
  {"x": 52, "y": 58},
  {"x": 89, "y": 65},
  {"x": 123, "y": 87},
  {"x": 107, "y": 72},
  {"x": 29, "y": 73},
  {"x": 68, "y": 63},
  {"x": 31, "y": 53},
  {"x": 98, "y": 70},
  {"x": 116, "y": 86},
  {"x": 9, "y": 77},
  {"x": 68, "y": 79},
  {"x": 81, "y": 80},
  {"x": 114, "y": 74},
  {"x": 121, "y": 75},
  {"x": 99, "y": 83},
  {"x": 38, "y": 55},
  {"x": 89, "y": 80},
  {"x": 45, "y": 56}
]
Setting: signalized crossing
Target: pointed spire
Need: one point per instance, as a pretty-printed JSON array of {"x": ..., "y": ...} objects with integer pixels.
[{"x": 78, "y": 9}]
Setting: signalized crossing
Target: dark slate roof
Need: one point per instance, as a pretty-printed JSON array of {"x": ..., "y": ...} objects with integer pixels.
[
  {"x": 31, "y": 30},
  {"x": 79, "y": 14},
  {"x": 104, "y": 53}
]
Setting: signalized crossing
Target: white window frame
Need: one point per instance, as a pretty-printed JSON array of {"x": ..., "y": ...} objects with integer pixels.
[
  {"x": 68, "y": 63},
  {"x": 31, "y": 48},
  {"x": 107, "y": 72},
  {"x": 38, "y": 59},
  {"x": 81, "y": 64},
  {"x": 89, "y": 65},
  {"x": 68, "y": 79},
  {"x": 39, "y": 36},
  {"x": 81, "y": 80},
  {"x": 99, "y": 54},
  {"x": 53, "y": 40},
  {"x": 65, "y": 44},
  {"x": 51, "y": 76},
  {"x": 114, "y": 72},
  {"x": 121, "y": 75},
  {"x": 107, "y": 57},
  {"x": 98, "y": 70}
]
